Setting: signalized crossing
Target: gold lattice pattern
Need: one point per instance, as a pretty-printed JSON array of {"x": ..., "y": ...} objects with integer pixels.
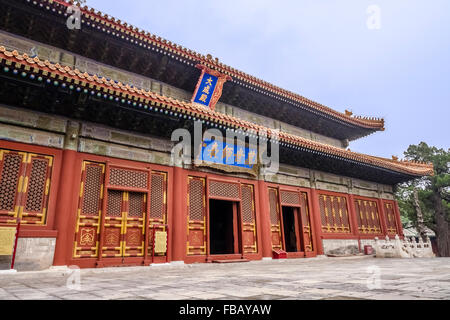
[
  {"x": 390, "y": 218},
  {"x": 223, "y": 189},
  {"x": 114, "y": 203},
  {"x": 288, "y": 197},
  {"x": 368, "y": 217},
  {"x": 36, "y": 191},
  {"x": 247, "y": 204},
  {"x": 9, "y": 180},
  {"x": 128, "y": 178},
  {"x": 273, "y": 206},
  {"x": 136, "y": 204},
  {"x": 196, "y": 196},
  {"x": 334, "y": 214},
  {"x": 157, "y": 210},
  {"x": 92, "y": 189}
]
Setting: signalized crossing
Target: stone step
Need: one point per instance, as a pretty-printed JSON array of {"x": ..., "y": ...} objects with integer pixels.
[{"x": 231, "y": 261}]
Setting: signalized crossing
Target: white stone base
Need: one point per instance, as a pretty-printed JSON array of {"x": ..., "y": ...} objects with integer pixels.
[
  {"x": 7, "y": 272},
  {"x": 60, "y": 268},
  {"x": 164, "y": 264}
]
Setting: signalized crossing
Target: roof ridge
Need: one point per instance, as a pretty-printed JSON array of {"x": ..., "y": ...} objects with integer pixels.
[
  {"x": 368, "y": 122},
  {"x": 203, "y": 112}
]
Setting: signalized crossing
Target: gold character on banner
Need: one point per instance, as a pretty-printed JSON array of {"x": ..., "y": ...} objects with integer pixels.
[
  {"x": 207, "y": 89},
  {"x": 240, "y": 154},
  {"x": 228, "y": 152}
]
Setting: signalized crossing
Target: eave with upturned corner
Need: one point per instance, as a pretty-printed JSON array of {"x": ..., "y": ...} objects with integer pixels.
[
  {"x": 43, "y": 86},
  {"x": 162, "y": 60}
]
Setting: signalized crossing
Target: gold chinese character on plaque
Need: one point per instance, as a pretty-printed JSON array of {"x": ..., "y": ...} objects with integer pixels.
[{"x": 7, "y": 239}]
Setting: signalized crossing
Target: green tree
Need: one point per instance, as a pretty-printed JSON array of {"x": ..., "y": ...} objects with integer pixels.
[{"x": 433, "y": 194}]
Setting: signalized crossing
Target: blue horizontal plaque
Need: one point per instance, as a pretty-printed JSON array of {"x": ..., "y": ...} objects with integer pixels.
[{"x": 228, "y": 154}]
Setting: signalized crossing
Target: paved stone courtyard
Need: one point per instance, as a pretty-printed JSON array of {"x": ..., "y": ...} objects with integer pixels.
[{"x": 302, "y": 279}]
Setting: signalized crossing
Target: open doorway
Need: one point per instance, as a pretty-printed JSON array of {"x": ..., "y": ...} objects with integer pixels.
[
  {"x": 290, "y": 223},
  {"x": 223, "y": 227}
]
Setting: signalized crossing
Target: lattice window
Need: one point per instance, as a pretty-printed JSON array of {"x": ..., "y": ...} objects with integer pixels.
[
  {"x": 158, "y": 196},
  {"x": 224, "y": 190},
  {"x": 290, "y": 198},
  {"x": 334, "y": 214},
  {"x": 304, "y": 212},
  {"x": 368, "y": 216},
  {"x": 10, "y": 170},
  {"x": 24, "y": 187},
  {"x": 136, "y": 204},
  {"x": 323, "y": 212},
  {"x": 196, "y": 200},
  {"x": 90, "y": 204},
  {"x": 37, "y": 184},
  {"x": 273, "y": 207},
  {"x": 128, "y": 178},
  {"x": 114, "y": 208},
  {"x": 92, "y": 190},
  {"x": 196, "y": 230},
  {"x": 248, "y": 214}
]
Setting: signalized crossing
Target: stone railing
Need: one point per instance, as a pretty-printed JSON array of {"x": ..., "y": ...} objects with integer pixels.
[{"x": 408, "y": 248}]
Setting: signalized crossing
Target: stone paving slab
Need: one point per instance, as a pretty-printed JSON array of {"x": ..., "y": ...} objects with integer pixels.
[{"x": 300, "y": 279}]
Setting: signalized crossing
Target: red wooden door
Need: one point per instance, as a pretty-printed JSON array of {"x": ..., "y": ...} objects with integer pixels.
[
  {"x": 306, "y": 228},
  {"x": 112, "y": 233},
  {"x": 248, "y": 220},
  {"x": 196, "y": 242},
  {"x": 124, "y": 224},
  {"x": 134, "y": 225},
  {"x": 275, "y": 221}
]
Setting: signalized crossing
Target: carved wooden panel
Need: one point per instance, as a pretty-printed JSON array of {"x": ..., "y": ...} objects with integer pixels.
[
  {"x": 334, "y": 214},
  {"x": 368, "y": 216},
  {"x": 391, "y": 218},
  {"x": 248, "y": 219},
  {"x": 275, "y": 219},
  {"x": 24, "y": 187},
  {"x": 196, "y": 244},
  {"x": 306, "y": 223},
  {"x": 224, "y": 190},
  {"x": 89, "y": 210}
]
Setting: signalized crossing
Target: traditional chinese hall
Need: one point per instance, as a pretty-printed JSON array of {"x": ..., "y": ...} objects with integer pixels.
[{"x": 87, "y": 168}]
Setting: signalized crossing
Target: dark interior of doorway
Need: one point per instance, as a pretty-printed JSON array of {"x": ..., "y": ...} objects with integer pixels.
[
  {"x": 290, "y": 235},
  {"x": 221, "y": 228}
]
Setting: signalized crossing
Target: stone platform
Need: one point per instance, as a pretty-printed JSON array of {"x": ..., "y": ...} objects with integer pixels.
[{"x": 300, "y": 279}]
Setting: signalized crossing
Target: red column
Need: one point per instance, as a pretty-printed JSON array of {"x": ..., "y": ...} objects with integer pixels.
[
  {"x": 264, "y": 216},
  {"x": 64, "y": 209},
  {"x": 315, "y": 211},
  {"x": 352, "y": 214},
  {"x": 179, "y": 223}
]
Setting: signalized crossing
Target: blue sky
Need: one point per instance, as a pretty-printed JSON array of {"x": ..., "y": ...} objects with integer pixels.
[{"x": 324, "y": 51}]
